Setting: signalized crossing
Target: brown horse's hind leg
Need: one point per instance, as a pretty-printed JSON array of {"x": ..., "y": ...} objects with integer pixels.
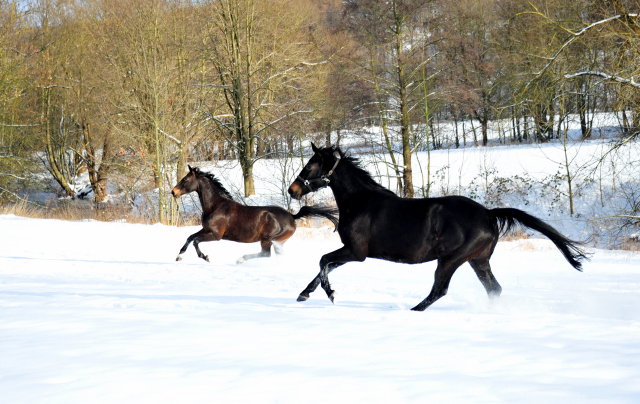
[
  {"x": 266, "y": 252},
  {"x": 483, "y": 271},
  {"x": 278, "y": 247},
  {"x": 279, "y": 240}
]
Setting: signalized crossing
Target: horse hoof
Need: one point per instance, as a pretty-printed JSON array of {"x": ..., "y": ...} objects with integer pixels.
[
  {"x": 332, "y": 296},
  {"x": 418, "y": 308},
  {"x": 179, "y": 258},
  {"x": 240, "y": 261},
  {"x": 206, "y": 258},
  {"x": 302, "y": 298}
]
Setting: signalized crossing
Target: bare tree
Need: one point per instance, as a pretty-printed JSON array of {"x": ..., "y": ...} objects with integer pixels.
[
  {"x": 154, "y": 85},
  {"x": 18, "y": 121},
  {"x": 260, "y": 50}
]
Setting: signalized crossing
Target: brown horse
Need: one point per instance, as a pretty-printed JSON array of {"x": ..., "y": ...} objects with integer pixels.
[{"x": 223, "y": 218}]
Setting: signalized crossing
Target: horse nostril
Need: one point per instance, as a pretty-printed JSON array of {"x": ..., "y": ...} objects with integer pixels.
[{"x": 294, "y": 191}]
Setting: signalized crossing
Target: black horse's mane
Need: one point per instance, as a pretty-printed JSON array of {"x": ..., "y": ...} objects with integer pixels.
[
  {"x": 215, "y": 182},
  {"x": 364, "y": 178}
]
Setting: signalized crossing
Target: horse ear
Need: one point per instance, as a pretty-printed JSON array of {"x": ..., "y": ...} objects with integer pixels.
[
  {"x": 190, "y": 169},
  {"x": 314, "y": 148}
]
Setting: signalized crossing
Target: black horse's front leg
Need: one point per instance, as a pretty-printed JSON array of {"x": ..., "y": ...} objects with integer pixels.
[
  {"x": 328, "y": 263},
  {"x": 189, "y": 240},
  {"x": 315, "y": 282}
]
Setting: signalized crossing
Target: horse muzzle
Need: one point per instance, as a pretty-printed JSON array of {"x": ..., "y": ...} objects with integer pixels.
[
  {"x": 176, "y": 192},
  {"x": 295, "y": 191}
]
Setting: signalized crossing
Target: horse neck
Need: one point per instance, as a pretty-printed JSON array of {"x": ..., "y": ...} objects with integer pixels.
[
  {"x": 345, "y": 183},
  {"x": 209, "y": 196}
]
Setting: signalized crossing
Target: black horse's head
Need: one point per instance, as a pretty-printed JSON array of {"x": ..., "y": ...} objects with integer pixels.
[
  {"x": 317, "y": 173},
  {"x": 188, "y": 184}
]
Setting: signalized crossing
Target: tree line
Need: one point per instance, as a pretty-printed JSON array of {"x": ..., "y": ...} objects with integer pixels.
[{"x": 131, "y": 90}]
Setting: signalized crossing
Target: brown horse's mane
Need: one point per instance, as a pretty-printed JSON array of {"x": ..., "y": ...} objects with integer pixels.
[{"x": 214, "y": 181}]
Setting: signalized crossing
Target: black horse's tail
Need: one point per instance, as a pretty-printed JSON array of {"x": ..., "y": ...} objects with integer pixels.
[
  {"x": 509, "y": 218},
  {"x": 316, "y": 211}
]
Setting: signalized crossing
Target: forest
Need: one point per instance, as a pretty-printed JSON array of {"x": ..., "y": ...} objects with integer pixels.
[{"x": 130, "y": 91}]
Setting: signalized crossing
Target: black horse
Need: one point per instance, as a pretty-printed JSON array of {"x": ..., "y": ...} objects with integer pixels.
[
  {"x": 223, "y": 218},
  {"x": 376, "y": 223}
]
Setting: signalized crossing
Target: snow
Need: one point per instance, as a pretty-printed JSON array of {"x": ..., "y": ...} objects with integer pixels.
[{"x": 100, "y": 312}]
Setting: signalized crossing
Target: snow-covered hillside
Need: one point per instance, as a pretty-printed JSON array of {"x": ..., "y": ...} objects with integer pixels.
[{"x": 96, "y": 312}]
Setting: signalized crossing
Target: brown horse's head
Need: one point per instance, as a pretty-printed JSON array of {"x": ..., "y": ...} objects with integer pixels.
[
  {"x": 188, "y": 184},
  {"x": 317, "y": 173}
]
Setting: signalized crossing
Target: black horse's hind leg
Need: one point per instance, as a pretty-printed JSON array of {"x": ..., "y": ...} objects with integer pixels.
[
  {"x": 444, "y": 272},
  {"x": 315, "y": 282},
  {"x": 483, "y": 271},
  {"x": 189, "y": 240},
  {"x": 266, "y": 252}
]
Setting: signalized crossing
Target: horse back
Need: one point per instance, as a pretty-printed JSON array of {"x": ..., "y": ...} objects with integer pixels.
[
  {"x": 250, "y": 224},
  {"x": 406, "y": 230}
]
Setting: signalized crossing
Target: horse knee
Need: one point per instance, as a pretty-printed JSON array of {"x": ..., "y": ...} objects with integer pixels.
[{"x": 324, "y": 261}]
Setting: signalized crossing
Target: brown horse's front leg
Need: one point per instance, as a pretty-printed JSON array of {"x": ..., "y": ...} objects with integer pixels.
[
  {"x": 209, "y": 236},
  {"x": 189, "y": 240}
]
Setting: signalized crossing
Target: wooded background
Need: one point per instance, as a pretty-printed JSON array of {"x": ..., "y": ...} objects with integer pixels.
[{"x": 130, "y": 90}]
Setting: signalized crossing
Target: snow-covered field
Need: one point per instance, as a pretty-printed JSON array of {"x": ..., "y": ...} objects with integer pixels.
[{"x": 95, "y": 312}]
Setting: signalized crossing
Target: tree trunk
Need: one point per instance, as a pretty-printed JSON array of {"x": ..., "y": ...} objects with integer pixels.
[
  {"x": 484, "y": 124},
  {"x": 247, "y": 175},
  {"x": 457, "y": 139},
  {"x": 582, "y": 110},
  {"x": 97, "y": 176},
  {"x": 407, "y": 172},
  {"x": 181, "y": 165},
  {"x": 54, "y": 163},
  {"x": 100, "y": 187},
  {"x": 327, "y": 137}
]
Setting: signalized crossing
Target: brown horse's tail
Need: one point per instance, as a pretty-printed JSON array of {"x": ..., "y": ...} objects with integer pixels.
[
  {"x": 317, "y": 211},
  {"x": 508, "y": 218}
]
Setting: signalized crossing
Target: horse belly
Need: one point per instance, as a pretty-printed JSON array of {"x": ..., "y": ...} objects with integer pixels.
[
  {"x": 411, "y": 256},
  {"x": 241, "y": 236},
  {"x": 410, "y": 247}
]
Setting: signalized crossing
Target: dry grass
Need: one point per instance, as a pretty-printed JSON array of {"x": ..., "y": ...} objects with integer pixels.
[
  {"x": 315, "y": 233},
  {"x": 514, "y": 235},
  {"x": 314, "y": 222},
  {"x": 75, "y": 210},
  {"x": 630, "y": 245},
  {"x": 523, "y": 244}
]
